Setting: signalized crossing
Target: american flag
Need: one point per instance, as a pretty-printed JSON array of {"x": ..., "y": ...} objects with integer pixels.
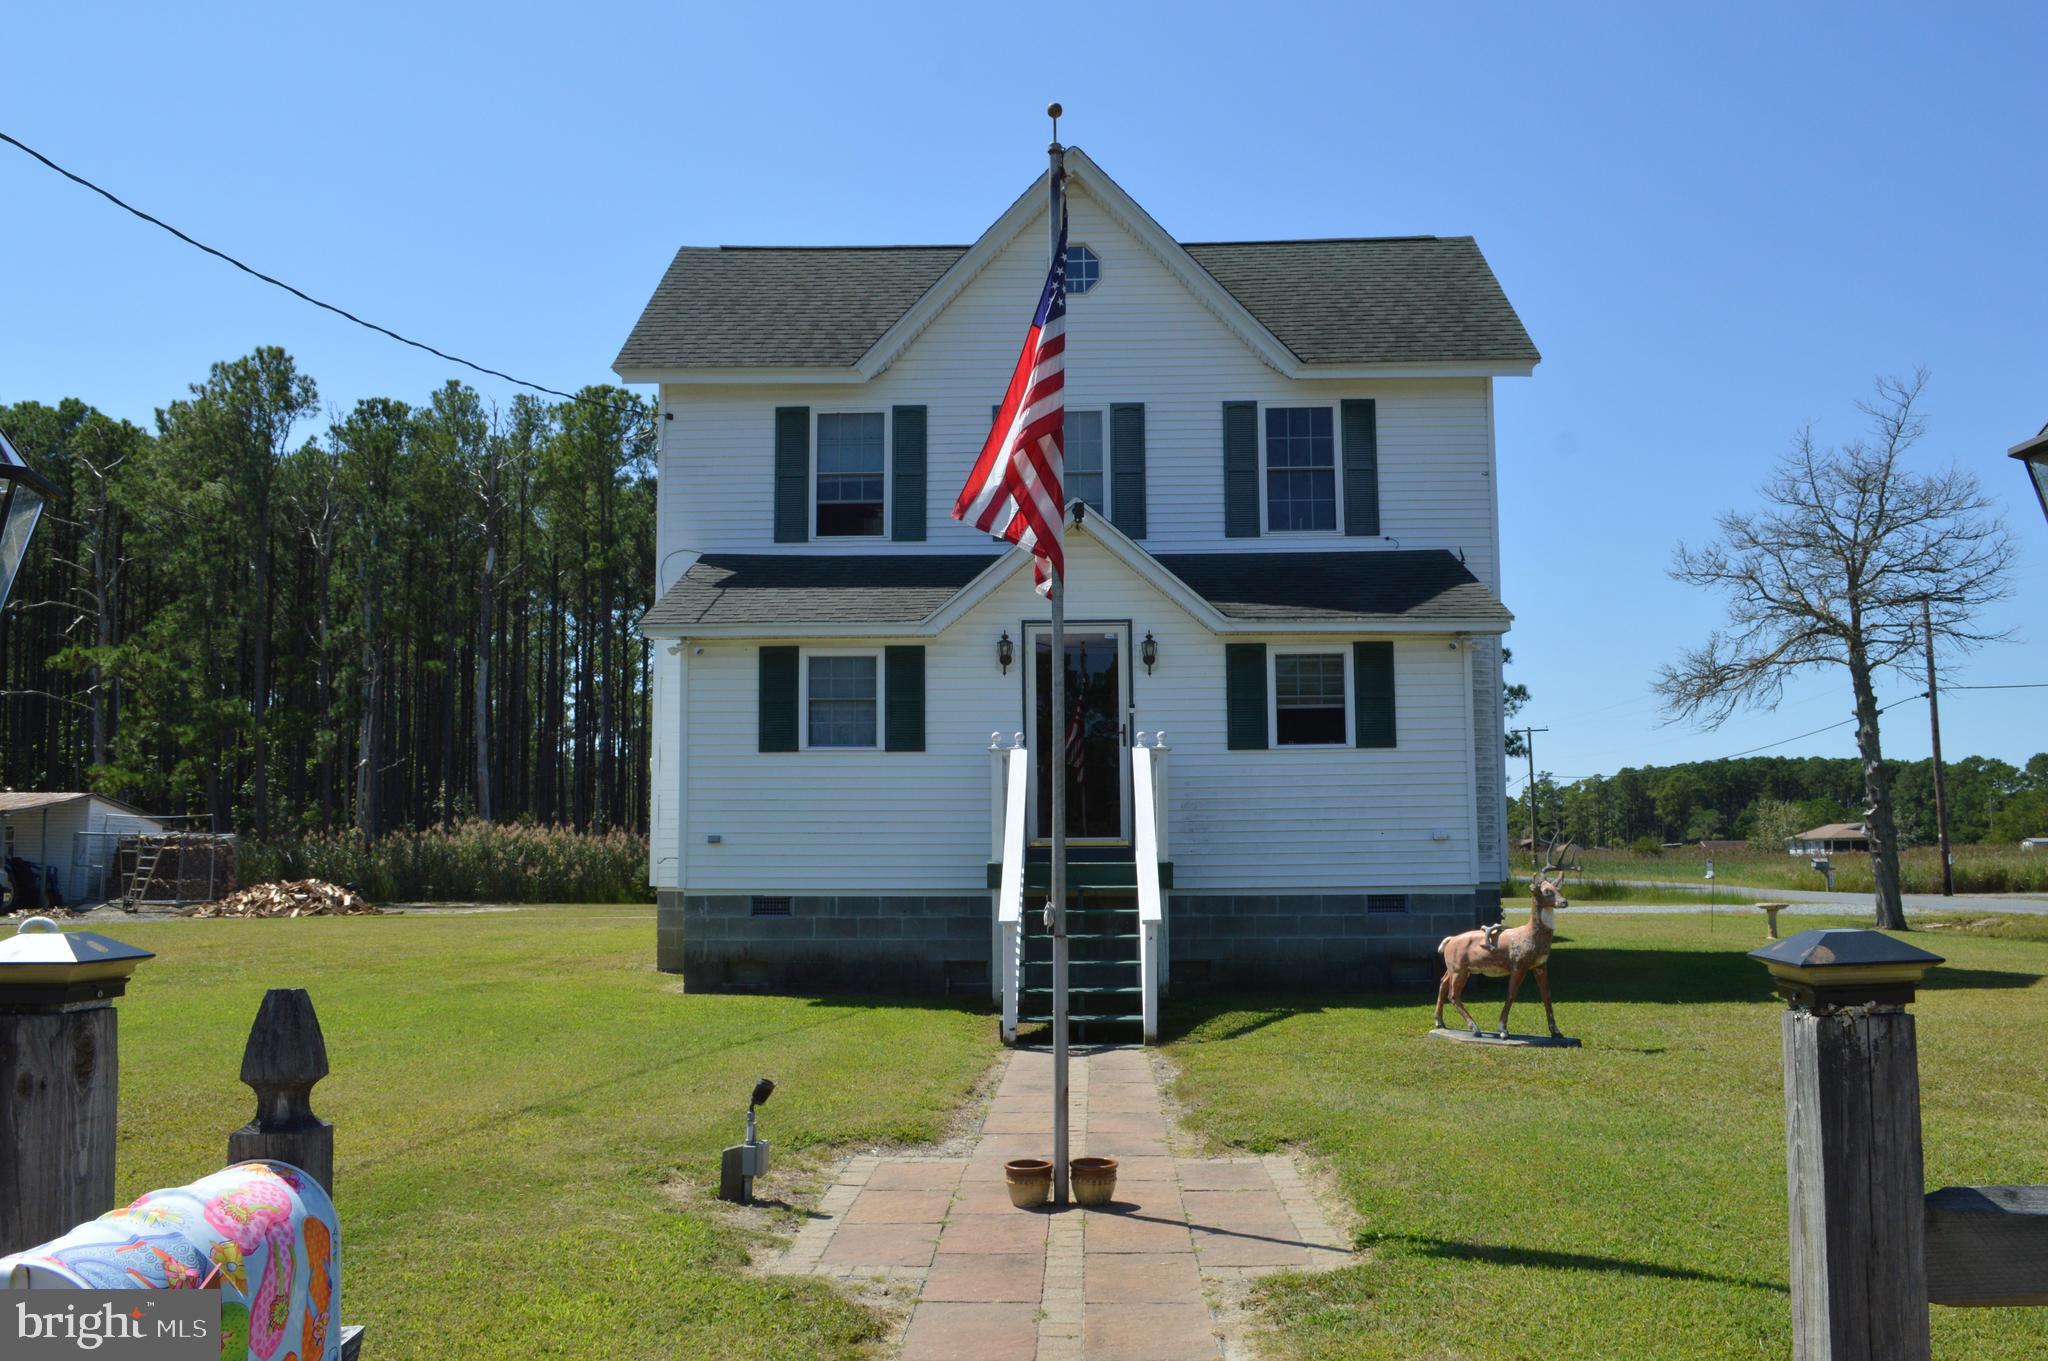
[{"x": 1016, "y": 491}]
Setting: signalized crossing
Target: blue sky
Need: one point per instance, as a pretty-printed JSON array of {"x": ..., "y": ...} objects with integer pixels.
[{"x": 1719, "y": 222}]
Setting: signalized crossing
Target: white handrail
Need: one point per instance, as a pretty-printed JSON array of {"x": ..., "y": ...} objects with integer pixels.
[
  {"x": 1010, "y": 896},
  {"x": 1145, "y": 834}
]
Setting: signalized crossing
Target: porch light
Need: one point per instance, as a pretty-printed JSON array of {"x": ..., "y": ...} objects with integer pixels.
[
  {"x": 22, "y": 495},
  {"x": 2034, "y": 454},
  {"x": 1148, "y": 651},
  {"x": 1005, "y": 653}
]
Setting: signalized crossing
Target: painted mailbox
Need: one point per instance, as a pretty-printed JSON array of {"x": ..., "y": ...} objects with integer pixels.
[{"x": 263, "y": 1233}]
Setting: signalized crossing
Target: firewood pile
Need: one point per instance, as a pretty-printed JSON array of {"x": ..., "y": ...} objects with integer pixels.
[
  {"x": 305, "y": 898},
  {"x": 60, "y": 914}
]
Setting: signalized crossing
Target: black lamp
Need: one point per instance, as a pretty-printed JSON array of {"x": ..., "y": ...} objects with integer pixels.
[
  {"x": 1148, "y": 651},
  {"x": 22, "y": 496},
  {"x": 1005, "y": 653},
  {"x": 2034, "y": 454}
]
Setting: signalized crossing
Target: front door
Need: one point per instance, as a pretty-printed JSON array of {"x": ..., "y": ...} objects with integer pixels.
[{"x": 1088, "y": 747}]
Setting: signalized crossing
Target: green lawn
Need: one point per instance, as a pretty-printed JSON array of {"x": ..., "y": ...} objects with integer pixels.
[
  {"x": 527, "y": 1116},
  {"x": 1626, "y": 1200}
]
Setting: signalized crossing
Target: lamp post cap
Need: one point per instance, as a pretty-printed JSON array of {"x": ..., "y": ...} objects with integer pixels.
[
  {"x": 42, "y": 966},
  {"x": 1845, "y": 966}
]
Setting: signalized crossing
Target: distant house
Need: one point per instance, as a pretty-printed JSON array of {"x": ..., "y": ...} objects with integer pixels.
[
  {"x": 2034, "y": 843},
  {"x": 1831, "y": 838},
  {"x": 69, "y": 838}
]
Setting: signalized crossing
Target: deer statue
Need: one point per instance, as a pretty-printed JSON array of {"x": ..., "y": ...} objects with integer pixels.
[{"x": 1509, "y": 954}]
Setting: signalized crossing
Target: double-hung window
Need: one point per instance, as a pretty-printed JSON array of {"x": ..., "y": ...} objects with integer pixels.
[
  {"x": 1301, "y": 468},
  {"x": 1310, "y": 705},
  {"x": 841, "y": 700},
  {"x": 850, "y": 475},
  {"x": 1087, "y": 458}
]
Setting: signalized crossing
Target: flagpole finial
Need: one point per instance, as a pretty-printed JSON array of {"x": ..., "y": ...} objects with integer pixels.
[{"x": 1053, "y": 111}]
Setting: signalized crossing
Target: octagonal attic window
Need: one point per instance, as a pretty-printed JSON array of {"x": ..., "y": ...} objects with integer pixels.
[{"x": 1084, "y": 269}]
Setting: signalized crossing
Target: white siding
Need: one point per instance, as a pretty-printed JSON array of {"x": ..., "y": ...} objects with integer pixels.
[
  {"x": 664, "y": 783},
  {"x": 1138, "y": 336},
  {"x": 901, "y": 822}
]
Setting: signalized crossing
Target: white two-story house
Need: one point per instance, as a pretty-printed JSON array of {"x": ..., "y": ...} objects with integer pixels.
[{"x": 1284, "y": 762}]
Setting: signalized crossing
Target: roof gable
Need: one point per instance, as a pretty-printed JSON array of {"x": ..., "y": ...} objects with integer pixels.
[{"x": 1307, "y": 308}]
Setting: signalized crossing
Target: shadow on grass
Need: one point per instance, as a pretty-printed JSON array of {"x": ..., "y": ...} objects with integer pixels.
[
  {"x": 1455, "y": 1250},
  {"x": 1578, "y": 975}
]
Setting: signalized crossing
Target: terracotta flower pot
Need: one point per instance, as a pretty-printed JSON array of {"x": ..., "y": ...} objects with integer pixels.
[
  {"x": 1093, "y": 1180},
  {"x": 1030, "y": 1182}
]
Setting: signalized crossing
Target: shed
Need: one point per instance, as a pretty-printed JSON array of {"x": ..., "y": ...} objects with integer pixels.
[
  {"x": 73, "y": 835},
  {"x": 1831, "y": 838}
]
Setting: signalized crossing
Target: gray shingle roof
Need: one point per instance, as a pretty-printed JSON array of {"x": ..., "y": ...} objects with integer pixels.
[
  {"x": 1391, "y": 300},
  {"x": 1386, "y": 300},
  {"x": 747, "y": 307},
  {"x": 1408, "y": 584},
  {"x": 723, "y": 589},
  {"x": 804, "y": 588}
]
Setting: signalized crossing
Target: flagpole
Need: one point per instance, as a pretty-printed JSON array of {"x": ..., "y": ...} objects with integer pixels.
[{"x": 1057, "y": 884}]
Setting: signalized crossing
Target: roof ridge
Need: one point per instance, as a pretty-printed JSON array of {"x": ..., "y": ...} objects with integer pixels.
[
  {"x": 1326, "y": 240},
  {"x": 906, "y": 246}
]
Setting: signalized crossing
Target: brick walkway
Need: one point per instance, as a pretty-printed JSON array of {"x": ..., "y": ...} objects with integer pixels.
[{"x": 1150, "y": 1277}]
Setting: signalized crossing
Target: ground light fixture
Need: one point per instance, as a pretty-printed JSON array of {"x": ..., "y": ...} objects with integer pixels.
[
  {"x": 23, "y": 494},
  {"x": 742, "y": 1162},
  {"x": 2034, "y": 454}
]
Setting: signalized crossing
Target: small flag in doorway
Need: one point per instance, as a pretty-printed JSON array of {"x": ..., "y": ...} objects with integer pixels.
[
  {"x": 1077, "y": 733},
  {"x": 1016, "y": 490}
]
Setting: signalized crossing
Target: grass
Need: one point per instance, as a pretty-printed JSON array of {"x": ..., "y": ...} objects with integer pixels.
[
  {"x": 1978, "y": 869},
  {"x": 1578, "y": 890},
  {"x": 470, "y": 862},
  {"x": 527, "y": 1118},
  {"x": 1622, "y": 1200}
]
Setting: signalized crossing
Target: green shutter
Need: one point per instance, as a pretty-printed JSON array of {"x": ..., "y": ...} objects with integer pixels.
[
  {"x": 904, "y": 673},
  {"x": 906, "y": 463},
  {"x": 1127, "y": 467},
  {"x": 778, "y": 726},
  {"x": 1361, "y": 469},
  {"x": 1241, "y": 471},
  {"x": 792, "y": 474},
  {"x": 1244, "y": 670},
  {"x": 1372, "y": 680}
]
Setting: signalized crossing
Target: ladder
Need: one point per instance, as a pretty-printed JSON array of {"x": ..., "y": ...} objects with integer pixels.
[{"x": 148, "y": 851}]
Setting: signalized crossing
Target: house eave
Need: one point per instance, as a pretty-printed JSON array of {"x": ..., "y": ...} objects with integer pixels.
[{"x": 1363, "y": 626}]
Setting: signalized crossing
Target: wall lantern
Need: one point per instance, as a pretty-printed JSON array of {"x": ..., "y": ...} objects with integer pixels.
[
  {"x": 2034, "y": 454},
  {"x": 1148, "y": 651},
  {"x": 22, "y": 495},
  {"x": 1005, "y": 653}
]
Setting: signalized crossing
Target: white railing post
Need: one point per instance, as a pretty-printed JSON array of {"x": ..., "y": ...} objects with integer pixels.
[
  {"x": 1010, "y": 895},
  {"x": 1162, "y": 816},
  {"x": 996, "y": 785},
  {"x": 1145, "y": 835}
]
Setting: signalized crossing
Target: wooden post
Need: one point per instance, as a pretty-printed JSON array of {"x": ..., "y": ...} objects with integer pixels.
[
  {"x": 1852, "y": 1145},
  {"x": 59, "y": 1078},
  {"x": 285, "y": 1057},
  {"x": 59, "y": 1097}
]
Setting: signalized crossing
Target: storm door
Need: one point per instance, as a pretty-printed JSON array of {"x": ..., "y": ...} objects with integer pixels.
[{"x": 1088, "y": 747}]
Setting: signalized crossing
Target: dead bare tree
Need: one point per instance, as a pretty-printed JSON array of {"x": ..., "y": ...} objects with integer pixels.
[{"x": 1831, "y": 572}]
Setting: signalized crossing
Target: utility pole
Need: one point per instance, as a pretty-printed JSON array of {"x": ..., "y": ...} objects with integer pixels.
[
  {"x": 1529, "y": 749},
  {"x": 1948, "y": 874}
]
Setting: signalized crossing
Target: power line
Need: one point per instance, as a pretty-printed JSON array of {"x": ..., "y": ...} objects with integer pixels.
[
  {"x": 2031, "y": 685},
  {"x": 298, "y": 293}
]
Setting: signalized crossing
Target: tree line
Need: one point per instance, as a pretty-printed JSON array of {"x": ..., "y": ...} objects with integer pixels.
[
  {"x": 1766, "y": 799},
  {"x": 284, "y": 618}
]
